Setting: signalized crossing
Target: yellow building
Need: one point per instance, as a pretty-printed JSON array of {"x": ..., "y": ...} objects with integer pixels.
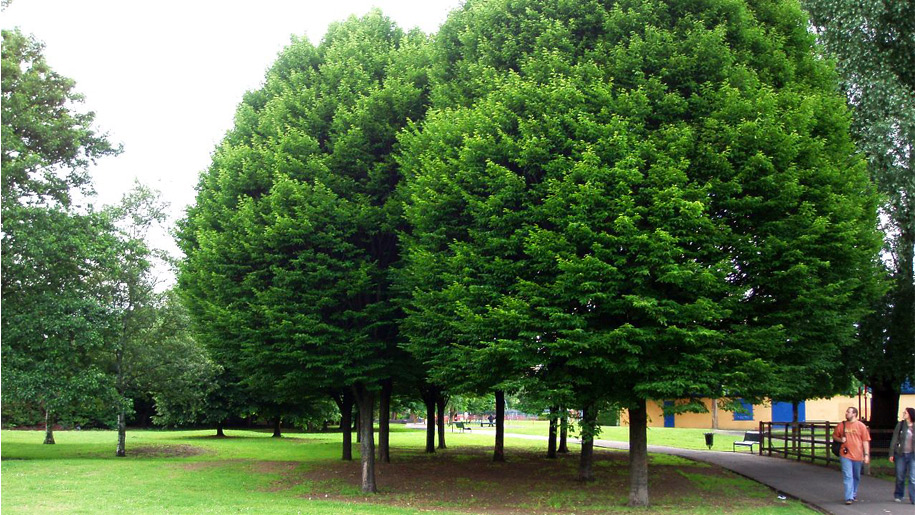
[{"x": 832, "y": 409}]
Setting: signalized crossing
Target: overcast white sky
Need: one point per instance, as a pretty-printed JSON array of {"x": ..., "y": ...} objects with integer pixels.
[{"x": 164, "y": 77}]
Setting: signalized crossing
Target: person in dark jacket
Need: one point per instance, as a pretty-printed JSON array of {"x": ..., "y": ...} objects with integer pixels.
[{"x": 902, "y": 453}]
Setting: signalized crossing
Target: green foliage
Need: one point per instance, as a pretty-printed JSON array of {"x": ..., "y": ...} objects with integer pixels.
[
  {"x": 290, "y": 246},
  {"x": 654, "y": 200},
  {"x": 54, "y": 321},
  {"x": 874, "y": 47},
  {"x": 47, "y": 145}
]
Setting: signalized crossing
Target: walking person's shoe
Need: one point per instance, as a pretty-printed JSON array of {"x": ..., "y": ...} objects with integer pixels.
[
  {"x": 897, "y": 500},
  {"x": 849, "y": 501}
]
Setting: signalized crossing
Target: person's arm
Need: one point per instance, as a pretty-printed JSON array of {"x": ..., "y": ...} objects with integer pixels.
[
  {"x": 835, "y": 434},
  {"x": 893, "y": 442},
  {"x": 867, "y": 451}
]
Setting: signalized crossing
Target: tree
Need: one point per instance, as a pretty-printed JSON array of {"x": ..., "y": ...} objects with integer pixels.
[
  {"x": 53, "y": 322},
  {"x": 656, "y": 195},
  {"x": 292, "y": 242},
  {"x": 874, "y": 47},
  {"x": 47, "y": 143}
]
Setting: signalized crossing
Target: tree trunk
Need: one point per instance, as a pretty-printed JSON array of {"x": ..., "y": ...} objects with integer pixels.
[
  {"x": 498, "y": 453},
  {"x": 48, "y": 428},
  {"x": 122, "y": 434},
  {"x": 219, "y": 432},
  {"x": 346, "y": 424},
  {"x": 428, "y": 395},
  {"x": 588, "y": 427},
  {"x": 884, "y": 406},
  {"x": 384, "y": 422},
  {"x": 551, "y": 440},
  {"x": 563, "y": 432},
  {"x": 358, "y": 423},
  {"x": 365, "y": 398},
  {"x": 714, "y": 413},
  {"x": 638, "y": 455},
  {"x": 121, "y": 451},
  {"x": 276, "y": 428},
  {"x": 440, "y": 403}
]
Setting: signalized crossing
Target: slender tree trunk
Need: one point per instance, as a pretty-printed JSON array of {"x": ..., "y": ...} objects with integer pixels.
[
  {"x": 346, "y": 424},
  {"x": 365, "y": 398},
  {"x": 714, "y": 413},
  {"x": 384, "y": 422},
  {"x": 276, "y": 428},
  {"x": 121, "y": 450},
  {"x": 551, "y": 440},
  {"x": 428, "y": 395},
  {"x": 440, "y": 403},
  {"x": 795, "y": 429},
  {"x": 122, "y": 434},
  {"x": 219, "y": 432},
  {"x": 563, "y": 432},
  {"x": 638, "y": 454},
  {"x": 586, "y": 461},
  {"x": 358, "y": 423},
  {"x": 48, "y": 428},
  {"x": 498, "y": 453}
]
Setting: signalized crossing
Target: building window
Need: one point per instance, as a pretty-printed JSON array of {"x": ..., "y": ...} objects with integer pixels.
[{"x": 746, "y": 413}]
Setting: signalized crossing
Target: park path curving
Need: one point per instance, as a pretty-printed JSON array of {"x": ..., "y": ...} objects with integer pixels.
[{"x": 818, "y": 486}]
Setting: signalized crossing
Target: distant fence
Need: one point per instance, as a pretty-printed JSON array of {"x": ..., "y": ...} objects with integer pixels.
[{"x": 810, "y": 441}]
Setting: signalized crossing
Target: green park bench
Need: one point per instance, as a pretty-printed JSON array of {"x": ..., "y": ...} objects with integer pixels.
[
  {"x": 461, "y": 426},
  {"x": 750, "y": 438}
]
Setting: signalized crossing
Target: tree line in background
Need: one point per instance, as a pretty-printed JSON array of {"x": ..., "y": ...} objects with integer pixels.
[
  {"x": 587, "y": 204},
  {"x": 86, "y": 331}
]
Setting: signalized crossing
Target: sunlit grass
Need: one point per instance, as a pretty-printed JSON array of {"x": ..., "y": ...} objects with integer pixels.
[{"x": 194, "y": 472}]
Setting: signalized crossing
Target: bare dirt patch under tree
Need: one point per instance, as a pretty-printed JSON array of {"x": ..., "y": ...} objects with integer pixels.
[{"x": 527, "y": 483}]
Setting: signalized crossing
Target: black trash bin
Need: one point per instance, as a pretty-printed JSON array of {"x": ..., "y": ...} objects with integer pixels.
[{"x": 710, "y": 440}]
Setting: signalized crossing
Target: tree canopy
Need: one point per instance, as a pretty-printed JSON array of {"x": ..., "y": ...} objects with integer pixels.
[{"x": 662, "y": 196}]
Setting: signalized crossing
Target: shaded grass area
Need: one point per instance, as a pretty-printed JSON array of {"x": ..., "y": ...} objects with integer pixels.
[{"x": 193, "y": 472}]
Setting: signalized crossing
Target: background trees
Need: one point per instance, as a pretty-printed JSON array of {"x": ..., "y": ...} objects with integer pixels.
[
  {"x": 53, "y": 321},
  {"x": 81, "y": 313},
  {"x": 874, "y": 47}
]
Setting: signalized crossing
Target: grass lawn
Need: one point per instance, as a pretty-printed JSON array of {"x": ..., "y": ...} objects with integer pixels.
[
  {"x": 683, "y": 438},
  {"x": 194, "y": 472}
]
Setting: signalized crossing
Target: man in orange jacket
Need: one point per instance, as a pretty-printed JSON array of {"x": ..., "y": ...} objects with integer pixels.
[{"x": 856, "y": 451}]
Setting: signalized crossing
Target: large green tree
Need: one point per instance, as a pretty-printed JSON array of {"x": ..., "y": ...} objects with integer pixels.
[
  {"x": 873, "y": 44},
  {"x": 662, "y": 197},
  {"x": 292, "y": 241},
  {"x": 52, "y": 249}
]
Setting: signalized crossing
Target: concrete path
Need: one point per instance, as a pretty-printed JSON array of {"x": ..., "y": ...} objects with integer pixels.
[
  {"x": 815, "y": 485},
  {"x": 818, "y": 486}
]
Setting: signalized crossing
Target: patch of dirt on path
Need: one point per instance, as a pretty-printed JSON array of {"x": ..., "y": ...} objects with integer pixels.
[{"x": 470, "y": 481}]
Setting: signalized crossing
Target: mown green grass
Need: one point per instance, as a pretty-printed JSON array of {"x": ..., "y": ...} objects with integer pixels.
[
  {"x": 683, "y": 438},
  {"x": 246, "y": 472}
]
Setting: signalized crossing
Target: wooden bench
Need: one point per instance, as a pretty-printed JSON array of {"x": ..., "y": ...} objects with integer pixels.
[
  {"x": 461, "y": 426},
  {"x": 750, "y": 438}
]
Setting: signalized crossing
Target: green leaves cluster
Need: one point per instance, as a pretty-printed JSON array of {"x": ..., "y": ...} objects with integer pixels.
[
  {"x": 291, "y": 244},
  {"x": 873, "y": 44},
  {"x": 651, "y": 200},
  {"x": 84, "y": 329}
]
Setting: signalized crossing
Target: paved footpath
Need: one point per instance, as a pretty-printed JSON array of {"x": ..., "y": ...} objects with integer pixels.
[{"x": 818, "y": 486}]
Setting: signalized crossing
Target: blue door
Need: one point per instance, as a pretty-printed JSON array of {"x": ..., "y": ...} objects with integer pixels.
[
  {"x": 668, "y": 419},
  {"x": 781, "y": 412}
]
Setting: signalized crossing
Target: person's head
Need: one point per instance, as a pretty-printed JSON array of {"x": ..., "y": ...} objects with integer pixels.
[
  {"x": 910, "y": 412},
  {"x": 851, "y": 414}
]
